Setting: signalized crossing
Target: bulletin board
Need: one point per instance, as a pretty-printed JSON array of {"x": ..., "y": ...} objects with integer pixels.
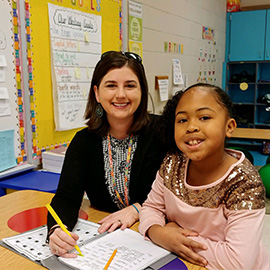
[
  {"x": 44, "y": 132},
  {"x": 12, "y": 117}
]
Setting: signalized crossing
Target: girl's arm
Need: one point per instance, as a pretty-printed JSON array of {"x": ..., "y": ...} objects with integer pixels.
[
  {"x": 170, "y": 236},
  {"x": 174, "y": 238}
]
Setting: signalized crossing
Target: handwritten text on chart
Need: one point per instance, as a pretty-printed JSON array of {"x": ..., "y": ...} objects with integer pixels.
[
  {"x": 73, "y": 74},
  {"x": 76, "y": 47},
  {"x": 71, "y": 114},
  {"x": 76, "y": 21},
  {"x": 72, "y": 91},
  {"x": 62, "y": 44}
]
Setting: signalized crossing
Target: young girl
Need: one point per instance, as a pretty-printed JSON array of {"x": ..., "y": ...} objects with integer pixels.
[{"x": 207, "y": 203}]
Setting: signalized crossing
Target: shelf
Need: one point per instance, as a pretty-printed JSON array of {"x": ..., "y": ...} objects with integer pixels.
[
  {"x": 263, "y": 72},
  {"x": 249, "y": 109},
  {"x": 243, "y": 142},
  {"x": 239, "y": 96},
  {"x": 252, "y": 133},
  {"x": 238, "y": 83},
  {"x": 262, "y": 125},
  {"x": 235, "y": 103}
]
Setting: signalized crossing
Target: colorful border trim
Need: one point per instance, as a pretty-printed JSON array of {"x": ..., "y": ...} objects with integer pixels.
[
  {"x": 22, "y": 156},
  {"x": 120, "y": 25},
  {"x": 30, "y": 80}
]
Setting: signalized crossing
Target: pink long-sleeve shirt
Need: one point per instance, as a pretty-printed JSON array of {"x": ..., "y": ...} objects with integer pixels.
[{"x": 228, "y": 214}]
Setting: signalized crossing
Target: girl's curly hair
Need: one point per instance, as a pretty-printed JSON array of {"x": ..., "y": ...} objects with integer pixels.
[{"x": 167, "y": 122}]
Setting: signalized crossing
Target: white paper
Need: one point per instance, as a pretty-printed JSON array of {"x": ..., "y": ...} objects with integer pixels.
[
  {"x": 163, "y": 86},
  {"x": 135, "y": 9},
  {"x": 133, "y": 252},
  {"x": 177, "y": 73},
  {"x": 2, "y": 74},
  {"x": 4, "y": 93},
  {"x": 32, "y": 243},
  {"x": 76, "y": 48},
  {"x": 4, "y": 107},
  {"x": 3, "y": 61}
]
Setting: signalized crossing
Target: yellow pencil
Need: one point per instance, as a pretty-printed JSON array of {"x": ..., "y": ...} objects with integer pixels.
[
  {"x": 110, "y": 260},
  {"x": 62, "y": 226}
]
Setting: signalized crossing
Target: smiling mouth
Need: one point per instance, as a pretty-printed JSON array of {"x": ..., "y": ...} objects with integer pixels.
[
  {"x": 194, "y": 142},
  {"x": 120, "y": 104}
]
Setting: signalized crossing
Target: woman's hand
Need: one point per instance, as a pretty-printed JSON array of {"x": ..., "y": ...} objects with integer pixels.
[
  {"x": 61, "y": 243},
  {"x": 123, "y": 218},
  {"x": 174, "y": 238}
]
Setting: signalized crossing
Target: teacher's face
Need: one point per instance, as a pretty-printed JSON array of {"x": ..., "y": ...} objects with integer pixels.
[{"x": 119, "y": 94}]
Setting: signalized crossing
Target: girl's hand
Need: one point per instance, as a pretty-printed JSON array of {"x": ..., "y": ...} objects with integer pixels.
[
  {"x": 61, "y": 243},
  {"x": 174, "y": 238},
  {"x": 123, "y": 218}
]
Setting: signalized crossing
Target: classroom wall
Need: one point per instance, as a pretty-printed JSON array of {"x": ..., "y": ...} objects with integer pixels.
[
  {"x": 181, "y": 22},
  {"x": 175, "y": 21}
]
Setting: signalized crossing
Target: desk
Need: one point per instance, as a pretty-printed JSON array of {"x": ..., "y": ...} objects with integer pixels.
[
  {"x": 251, "y": 133},
  {"x": 18, "y": 201},
  {"x": 34, "y": 180}
]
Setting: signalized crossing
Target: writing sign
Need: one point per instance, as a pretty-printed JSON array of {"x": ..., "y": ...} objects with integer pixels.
[{"x": 75, "y": 39}]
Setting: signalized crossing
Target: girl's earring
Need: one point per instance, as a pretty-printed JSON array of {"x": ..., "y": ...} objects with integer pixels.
[{"x": 99, "y": 111}]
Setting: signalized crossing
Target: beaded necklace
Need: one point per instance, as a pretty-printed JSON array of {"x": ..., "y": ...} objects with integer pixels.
[{"x": 126, "y": 170}]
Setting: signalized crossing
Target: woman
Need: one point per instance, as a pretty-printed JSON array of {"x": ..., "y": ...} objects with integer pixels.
[{"x": 115, "y": 159}]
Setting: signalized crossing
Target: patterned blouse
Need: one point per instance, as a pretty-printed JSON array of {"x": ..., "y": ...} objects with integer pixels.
[{"x": 119, "y": 159}]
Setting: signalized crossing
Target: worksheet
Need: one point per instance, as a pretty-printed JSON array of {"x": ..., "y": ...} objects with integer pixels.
[
  {"x": 33, "y": 244},
  {"x": 133, "y": 252}
]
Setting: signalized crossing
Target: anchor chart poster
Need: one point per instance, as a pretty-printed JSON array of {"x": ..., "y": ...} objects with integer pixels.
[{"x": 75, "y": 39}]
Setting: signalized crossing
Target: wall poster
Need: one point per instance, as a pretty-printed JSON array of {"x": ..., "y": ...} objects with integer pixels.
[{"x": 75, "y": 38}]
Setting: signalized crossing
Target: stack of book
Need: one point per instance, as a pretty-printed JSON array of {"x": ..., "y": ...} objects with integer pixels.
[{"x": 52, "y": 160}]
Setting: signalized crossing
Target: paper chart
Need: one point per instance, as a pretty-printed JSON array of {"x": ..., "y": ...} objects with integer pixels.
[{"x": 75, "y": 49}]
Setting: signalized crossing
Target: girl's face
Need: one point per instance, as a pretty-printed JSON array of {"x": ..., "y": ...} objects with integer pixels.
[
  {"x": 201, "y": 125},
  {"x": 119, "y": 94}
]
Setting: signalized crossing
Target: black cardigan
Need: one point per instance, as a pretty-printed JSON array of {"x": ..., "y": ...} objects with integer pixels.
[{"x": 83, "y": 171}]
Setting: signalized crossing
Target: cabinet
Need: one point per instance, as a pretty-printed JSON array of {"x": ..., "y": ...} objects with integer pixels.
[
  {"x": 267, "y": 37},
  {"x": 248, "y": 36},
  {"x": 250, "y": 110}
]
